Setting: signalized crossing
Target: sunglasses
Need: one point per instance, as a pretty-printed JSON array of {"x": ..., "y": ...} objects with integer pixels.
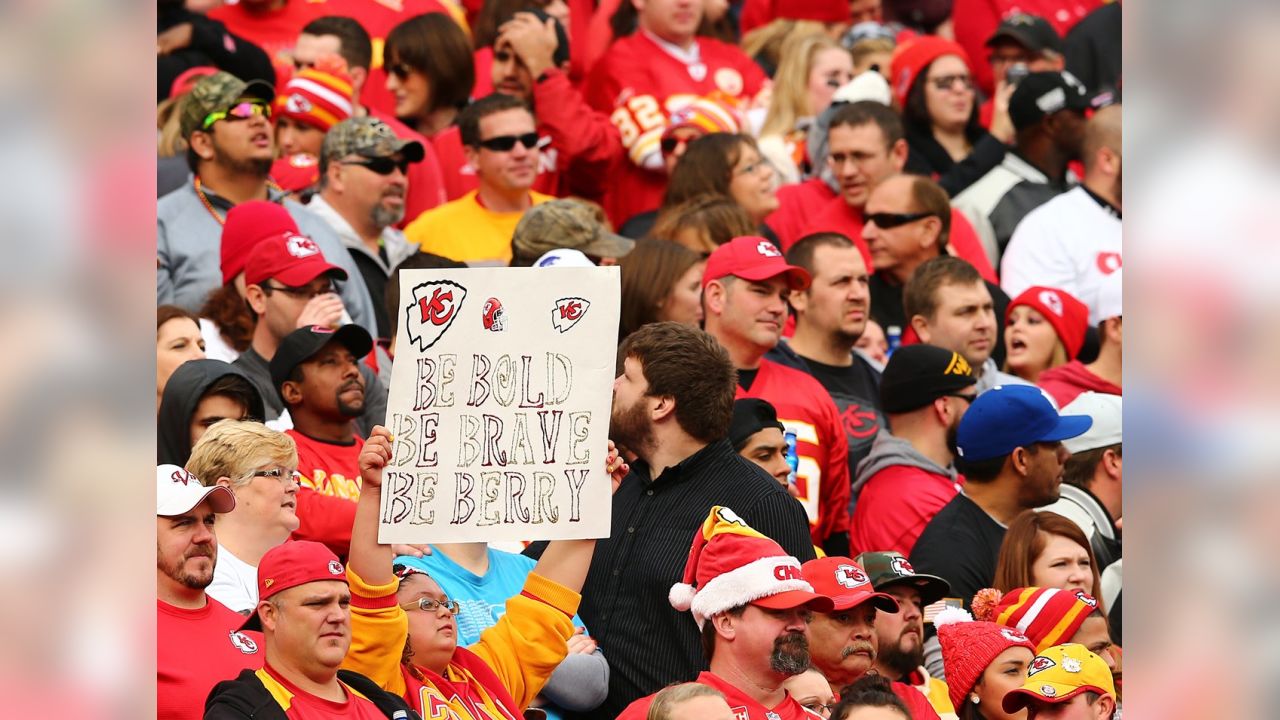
[
  {"x": 967, "y": 398},
  {"x": 381, "y": 165},
  {"x": 885, "y": 220},
  {"x": 239, "y": 111},
  {"x": 400, "y": 70},
  {"x": 503, "y": 143},
  {"x": 669, "y": 144},
  {"x": 945, "y": 82}
]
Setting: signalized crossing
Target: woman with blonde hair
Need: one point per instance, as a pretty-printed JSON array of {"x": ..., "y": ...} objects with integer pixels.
[{"x": 812, "y": 67}]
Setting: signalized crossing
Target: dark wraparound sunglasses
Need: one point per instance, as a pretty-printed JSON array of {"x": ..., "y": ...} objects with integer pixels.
[
  {"x": 504, "y": 143},
  {"x": 885, "y": 220},
  {"x": 381, "y": 165}
]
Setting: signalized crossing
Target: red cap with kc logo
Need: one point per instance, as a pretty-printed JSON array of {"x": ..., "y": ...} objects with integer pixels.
[
  {"x": 752, "y": 258},
  {"x": 845, "y": 582},
  {"x": 293, "y": 564},
  {"x": 293, "y": 259}
]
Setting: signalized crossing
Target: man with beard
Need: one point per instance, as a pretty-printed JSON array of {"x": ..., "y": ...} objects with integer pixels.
[
  {"x": 908, "y": 476},
  {"x": 831, "y": 315},
  {"x": 753, "y": 606},
  {"x": 189, "y": 623},
  {"x": 225, "y": 122},
  {"x": 363, "y": 183},
  {"x": 1073, "y": 241},
  {"x": 316, "y": 373},
  {"x": 900, "y": 635},
  {"x": 672, "y": 405},
  {"x": 843, "y": 640}
]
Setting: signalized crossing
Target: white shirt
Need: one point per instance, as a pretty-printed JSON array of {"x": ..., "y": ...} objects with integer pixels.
[
  {"x": 235, "y": 582},
  {"x": 1070, "y": 243}
]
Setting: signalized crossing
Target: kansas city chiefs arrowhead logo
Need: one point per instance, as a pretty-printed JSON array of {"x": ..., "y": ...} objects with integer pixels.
[
  {"x": 851, "y": 576},
  {"x": 567, "y": 312},
  {"x": 434, "y": 307},
  {"x": 1040, "y": 663}
]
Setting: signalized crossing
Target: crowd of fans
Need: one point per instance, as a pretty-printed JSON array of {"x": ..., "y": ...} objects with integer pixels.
[{"x": 866, "y": 444}]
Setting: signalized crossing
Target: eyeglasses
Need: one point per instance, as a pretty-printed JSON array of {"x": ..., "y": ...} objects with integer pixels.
[
  {"x": 753, "y": 168},
  {"x": 381, "y": 165},
  {"x": 885, "y": 220},
  {"x": 400, "y": 70},
  {"x": 284, "y": 476},
  {"x": 431, "y": 605},
  {"x": 818, "y": 708},
  {"x": 945, "y": 82},
  {"x": 504, "y": 143},
  {"x": 239, "y": 111},
  {"x": 303, "y": 293}
]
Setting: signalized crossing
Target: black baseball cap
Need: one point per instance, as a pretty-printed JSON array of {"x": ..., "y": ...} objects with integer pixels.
[
  {"x": 1045, "y": 93},
  {"x": 1030, "y": 31},
  {"x": 916, "y": 375},
  {"x": 889, "y": 568},
  {"x": 750, "y": 416},
  {"x": 301, "y": 344}
]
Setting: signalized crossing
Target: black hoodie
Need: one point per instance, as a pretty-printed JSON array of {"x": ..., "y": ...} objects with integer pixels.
[
  {"x": 182, "y": 394},
  {"x": 246, "y": 697}
]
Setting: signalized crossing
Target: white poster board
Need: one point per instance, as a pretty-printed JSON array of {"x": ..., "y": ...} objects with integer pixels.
[{"x": 499, "y": 405}]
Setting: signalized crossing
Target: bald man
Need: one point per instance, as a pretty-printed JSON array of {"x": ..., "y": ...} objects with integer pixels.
[{"x": 1073, "y": 241}]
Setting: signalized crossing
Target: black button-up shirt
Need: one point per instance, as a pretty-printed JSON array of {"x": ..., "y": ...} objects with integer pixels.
[{"x": 648, "y": 643}]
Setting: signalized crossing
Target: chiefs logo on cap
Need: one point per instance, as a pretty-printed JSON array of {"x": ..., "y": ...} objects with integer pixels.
[
  {"x": 1086, "y": 598},
  {"x": 851, "y": 576},
  {"x": 901, "y": 566},
  {"x": 1109, "y": 262},
  {"x": 767, "y": 249},
  {"x": 301, "y": 247},
  {"x": 1048, "y": 690},
  {"x": 1052, "y": 300},
  {"x": 1040, "y": 663},
  {"x": 1013, "y": 635},
  {"x": 335, "y": 567},
  {"x": 298, "y": 104}
]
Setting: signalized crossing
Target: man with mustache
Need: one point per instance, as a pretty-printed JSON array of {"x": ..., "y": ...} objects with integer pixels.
[
  {"x": 363, "y": 184},
  {"x": 900, "y": 636},
  {"x": 304, "y": 613},
  {"x": 753, "y": 606},
  {"x": 189, "y": 623},
  {"x": 744, "y": 292},
  {"x": 316, "y": 371},
  {"x": 843, "y": 641}
]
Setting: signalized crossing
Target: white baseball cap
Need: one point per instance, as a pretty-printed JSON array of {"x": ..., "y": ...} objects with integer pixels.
[
  {"x": 1106, "y": 411},
  {"x": 563, "y": 257},
  {"x": 178, "y": 491},
  {"x": 1111, "y": 296}
]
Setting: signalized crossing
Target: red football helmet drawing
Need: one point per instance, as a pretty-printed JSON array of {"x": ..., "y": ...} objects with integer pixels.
[{"x": 494, "y": 316}]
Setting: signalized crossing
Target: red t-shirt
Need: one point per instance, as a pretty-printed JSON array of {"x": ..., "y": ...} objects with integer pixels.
[
  {"x": 805, "y": 408},
  {"x": 302, "y": 705},
  {"x": 894, "y": 507},
  {"x": 742, "y": 705},
  {"x": 195, "y": 650},
  {"x": 327, "y": 468},
  {"x": 638, "y": 84},
  {"x": 797, "y": 204}
]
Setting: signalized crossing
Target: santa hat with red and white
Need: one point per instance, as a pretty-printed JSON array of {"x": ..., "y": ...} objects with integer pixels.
[{"x": 731, "y": 565}]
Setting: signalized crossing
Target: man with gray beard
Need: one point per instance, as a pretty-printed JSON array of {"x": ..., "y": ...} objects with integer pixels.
[
  {"x": 363, "y": 183},
  {"x": 753, "y": 606},
  {"x": 843, "y": 641}
]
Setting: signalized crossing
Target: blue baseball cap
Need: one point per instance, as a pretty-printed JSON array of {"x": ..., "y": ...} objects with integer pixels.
[{"x": 1013, "y": 416}]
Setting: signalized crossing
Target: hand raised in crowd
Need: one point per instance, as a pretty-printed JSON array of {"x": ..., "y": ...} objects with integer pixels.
[
  {"x": 174, "y": 39},
  {"x": 534, "y": 41},
  {"x": 615, "y": 466},
  {"x": 324, "y": 310},
  {"x": 374, "y": 456},
  {"x": 1001, "y": 124}
]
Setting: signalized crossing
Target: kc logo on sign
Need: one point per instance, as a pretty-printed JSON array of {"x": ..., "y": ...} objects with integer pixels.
[
  {"x": 851, "y": 576},
  {"x": 435, "y": 306},
  {"x": 567, "y": 312}
]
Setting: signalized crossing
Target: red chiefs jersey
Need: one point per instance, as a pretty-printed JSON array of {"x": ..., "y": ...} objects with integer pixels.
[
  {"x": 742, "y": 705},
  {"x": 798, "y": 203},
  {"x": 195, "y": 650},
  {"x": 579, "y": 145},
  {"x": 805, "y": 408},
  {"x": 639, "y": 83}
]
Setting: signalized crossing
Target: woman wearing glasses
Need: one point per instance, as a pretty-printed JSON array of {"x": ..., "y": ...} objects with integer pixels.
[
  {"x": 812, "y": 67},
  {"x": 933, "y": 83},
  {"x": 429, "y": 71},
  {"x": 404, "y": 630}
]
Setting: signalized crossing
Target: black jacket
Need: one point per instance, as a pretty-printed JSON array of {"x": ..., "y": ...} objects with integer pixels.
[
  {"x": 211, "y": 44},
  {"x": 926, "y": 156},
  {"x": 181, "y": 395},
  {"x": 246, "y": 697}
]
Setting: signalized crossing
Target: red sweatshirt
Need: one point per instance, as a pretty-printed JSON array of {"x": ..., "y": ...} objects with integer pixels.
[
  {"x": 1065, "y": 382},
  {"x": 797, "y": 204}
]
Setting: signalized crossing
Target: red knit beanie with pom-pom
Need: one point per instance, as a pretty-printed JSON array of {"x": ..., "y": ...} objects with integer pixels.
[{"x": 969, "y": 646}]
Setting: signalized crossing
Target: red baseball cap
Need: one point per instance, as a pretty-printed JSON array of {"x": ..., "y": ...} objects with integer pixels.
[
  {"x": 846, "y": 583},
  {"x": 752, "y": 258},
  {"x": 293, "y": 259},
  {"x": 248, "y": 224},
  {"x": 290, "y": 565}
]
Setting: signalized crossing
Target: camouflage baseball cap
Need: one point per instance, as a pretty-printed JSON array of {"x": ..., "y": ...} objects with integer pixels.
[
  {"x": 889, "y": 568},
  {"x": 367, "y": 137},
  {"x": 215, "y": 92},
  {"x": 567, "y": 224}
]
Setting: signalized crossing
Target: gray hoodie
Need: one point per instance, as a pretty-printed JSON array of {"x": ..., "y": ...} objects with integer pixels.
[{"x": 889, "y": 451}]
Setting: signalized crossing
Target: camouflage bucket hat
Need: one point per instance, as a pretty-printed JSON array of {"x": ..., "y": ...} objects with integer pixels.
[
  {"x": 566, "y": 224},
  {"x": 215, "y": 92},
  {"x": 368, "y": 137}
]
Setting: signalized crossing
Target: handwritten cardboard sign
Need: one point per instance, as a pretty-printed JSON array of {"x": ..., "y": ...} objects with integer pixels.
[{"x": 499, "y": 405}]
